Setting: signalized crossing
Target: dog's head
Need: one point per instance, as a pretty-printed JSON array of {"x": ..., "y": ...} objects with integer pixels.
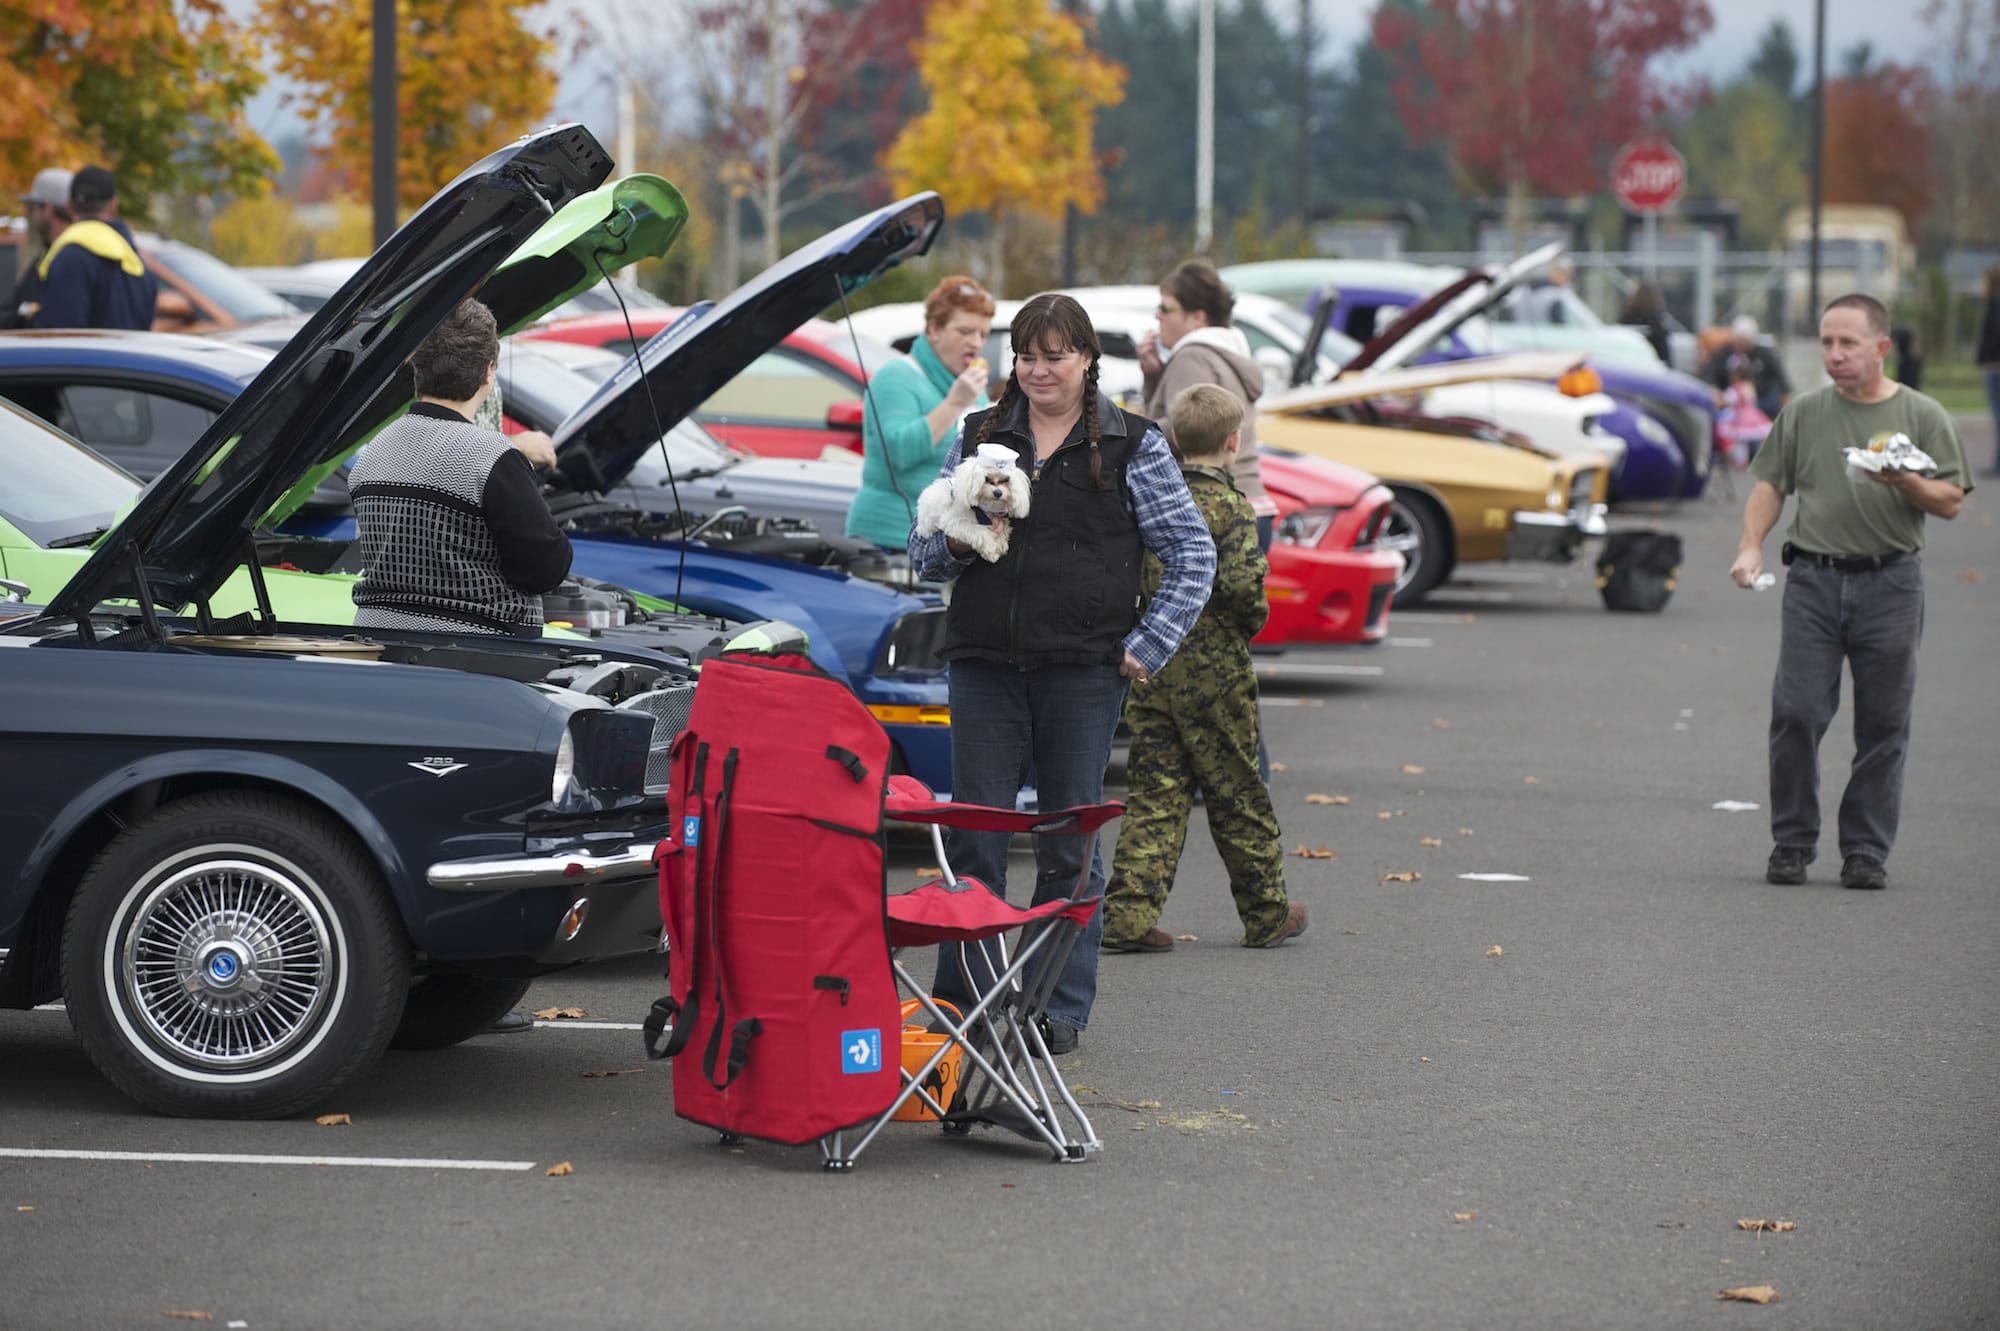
[{"x": 993, "y": 488}]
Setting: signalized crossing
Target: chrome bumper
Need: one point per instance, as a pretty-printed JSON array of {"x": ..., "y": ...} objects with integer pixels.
[
  {"x": 511, "y": 873},
  {"x": 1552, "y": 538}
]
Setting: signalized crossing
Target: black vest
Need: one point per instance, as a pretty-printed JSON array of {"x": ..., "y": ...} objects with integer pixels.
[{"x": 1067, "y": 590}]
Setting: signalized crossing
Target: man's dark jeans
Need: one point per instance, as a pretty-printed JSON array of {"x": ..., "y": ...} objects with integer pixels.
[
  {"x": 1873, "y": 621},
  {"x": 1057, "y": 723}
]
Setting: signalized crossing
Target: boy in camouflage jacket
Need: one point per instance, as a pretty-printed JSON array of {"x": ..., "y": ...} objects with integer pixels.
[{"x": 1194, "y": 724}]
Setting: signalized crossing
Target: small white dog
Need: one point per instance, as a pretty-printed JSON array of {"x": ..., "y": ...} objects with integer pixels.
[{"x": 992, "y": 481}]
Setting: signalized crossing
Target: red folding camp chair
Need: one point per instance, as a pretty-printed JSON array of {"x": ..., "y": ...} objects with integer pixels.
[{"x": 783, "y": 990}]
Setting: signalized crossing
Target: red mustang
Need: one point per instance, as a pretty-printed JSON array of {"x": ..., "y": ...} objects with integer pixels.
[
  {"x": 1331, "y": 578},
  {"x": 797, "y": 400}
]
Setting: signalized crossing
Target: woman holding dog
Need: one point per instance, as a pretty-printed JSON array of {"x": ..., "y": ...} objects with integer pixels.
[
  {"x": 1043, "y": 641},
  {"x": 912, "y": 407}
]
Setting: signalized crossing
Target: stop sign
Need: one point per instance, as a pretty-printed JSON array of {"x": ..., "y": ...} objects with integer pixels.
[{"x": 1648, "y": 175}]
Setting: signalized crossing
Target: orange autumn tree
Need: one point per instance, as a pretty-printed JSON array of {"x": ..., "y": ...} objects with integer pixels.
[
  {"x": 470, "y": 78},
  {"x": 1014, "y": 90},
  {"x": 153, "y": 91}
]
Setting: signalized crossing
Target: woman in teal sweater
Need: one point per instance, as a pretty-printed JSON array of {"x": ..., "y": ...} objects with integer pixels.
[{"x": 913, "y": 407}]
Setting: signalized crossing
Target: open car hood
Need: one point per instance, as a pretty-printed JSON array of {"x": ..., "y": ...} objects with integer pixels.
[
  {"x": 339, "y": 379},
  {"x": 1448, "y": 307},
  {"x": 712, "y": 343},
  {"x": 1358, "y": 386},
  {"x": 593, "y": 236}
]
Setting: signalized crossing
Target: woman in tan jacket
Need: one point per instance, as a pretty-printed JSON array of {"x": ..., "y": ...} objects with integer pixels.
[{"x": 1196, "y": 344}]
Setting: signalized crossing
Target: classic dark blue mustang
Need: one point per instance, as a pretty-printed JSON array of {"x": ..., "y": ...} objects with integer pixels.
[{"x": 249, "y": 854}]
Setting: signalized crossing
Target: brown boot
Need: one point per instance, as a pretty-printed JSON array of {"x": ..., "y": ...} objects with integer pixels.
[
  {"x": 1294, "y": 925},
  {"x": 1153, "y": 940}
]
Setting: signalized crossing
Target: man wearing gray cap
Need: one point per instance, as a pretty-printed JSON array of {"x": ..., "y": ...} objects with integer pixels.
[
  {"x": 47, "y": 207},
  {"x": 92, "y": 275},
  {"x": 1743, "y": 351}
]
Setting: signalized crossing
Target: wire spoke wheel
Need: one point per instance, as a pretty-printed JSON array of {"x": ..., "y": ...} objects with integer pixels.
[{"x": 228, "y": 962}]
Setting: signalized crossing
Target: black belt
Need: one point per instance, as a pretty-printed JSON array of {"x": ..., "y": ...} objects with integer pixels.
[{"x": 1845, "y": 563}]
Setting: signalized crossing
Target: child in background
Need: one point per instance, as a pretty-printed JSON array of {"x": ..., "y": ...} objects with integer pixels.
[
  {"x": 1194, "y": 724},
  {"x": 1742, "y": 424}
]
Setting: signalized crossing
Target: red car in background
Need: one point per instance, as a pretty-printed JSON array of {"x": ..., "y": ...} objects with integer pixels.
[
  {"x": 1330, "y": 579},
  {"x": 799, "y": 400}
]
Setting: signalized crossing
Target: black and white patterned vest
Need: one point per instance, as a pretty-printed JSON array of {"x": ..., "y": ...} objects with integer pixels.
[{"x": 430, "y": 559}]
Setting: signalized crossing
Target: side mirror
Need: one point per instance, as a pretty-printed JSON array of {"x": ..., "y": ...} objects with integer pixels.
[
  {"x": 171, "y": 310},
  {"x": 845, "y": 416},
  {"x": 12, "y": 592}
]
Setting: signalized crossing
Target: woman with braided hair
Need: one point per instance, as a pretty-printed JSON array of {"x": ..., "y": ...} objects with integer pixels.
[{"x": 1043, "y": 641}]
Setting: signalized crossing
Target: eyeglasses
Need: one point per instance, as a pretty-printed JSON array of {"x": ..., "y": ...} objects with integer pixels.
[{"x": 1168, "y": 309}]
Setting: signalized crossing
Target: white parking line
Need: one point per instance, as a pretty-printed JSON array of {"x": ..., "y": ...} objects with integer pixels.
[
  {"x": 204, "y": 1158},
  {"x": 1316, "y": 671},
  {"x": 1430, "y": 617},
  {"x": 596, "y": 1025},
  {"x": 1409, "y": 642}
]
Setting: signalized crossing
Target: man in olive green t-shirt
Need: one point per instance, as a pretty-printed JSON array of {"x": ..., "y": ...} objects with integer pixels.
[{"x": 1855, "y": 590}]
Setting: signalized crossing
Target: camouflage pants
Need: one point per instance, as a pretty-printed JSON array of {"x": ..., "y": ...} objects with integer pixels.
[{"x": 1196, "y": 731}]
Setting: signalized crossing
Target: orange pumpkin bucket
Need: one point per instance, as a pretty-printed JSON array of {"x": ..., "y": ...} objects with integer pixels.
[{"x": 918, "y": 1046}]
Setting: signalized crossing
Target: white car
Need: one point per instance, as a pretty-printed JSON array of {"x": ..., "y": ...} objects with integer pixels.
[
  {"x": 1553, "y": 420},
  {"x": 899, "y": 325}
]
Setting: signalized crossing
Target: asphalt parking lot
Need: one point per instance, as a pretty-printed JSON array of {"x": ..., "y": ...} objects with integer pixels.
[{"x": 1539, "y": 1101}]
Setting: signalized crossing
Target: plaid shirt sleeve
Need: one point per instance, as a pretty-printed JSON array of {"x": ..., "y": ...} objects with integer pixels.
[
  {"x": 930, "y": 558},
  {"x": 1172, "y": 528}
]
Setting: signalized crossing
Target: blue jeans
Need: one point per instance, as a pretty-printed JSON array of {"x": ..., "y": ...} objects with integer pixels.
[
  {"x": 1873, "y": 622},
  {"x": 1056, "y": 722}
]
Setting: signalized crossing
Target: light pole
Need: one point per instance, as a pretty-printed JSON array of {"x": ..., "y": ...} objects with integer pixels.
[
  {"x": 382, "y": 95},
  {"x": 1818, "y": 161},
  {"x": 1204, "y": 132}
]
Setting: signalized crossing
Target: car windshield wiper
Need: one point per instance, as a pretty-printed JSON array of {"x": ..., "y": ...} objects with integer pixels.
[{"x": 77, "y": 538}]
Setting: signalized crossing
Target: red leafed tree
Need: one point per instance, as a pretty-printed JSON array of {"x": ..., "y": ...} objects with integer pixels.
[
  {"x": 1878, "y": 140},
  {"x": 1532, "y": 96}
]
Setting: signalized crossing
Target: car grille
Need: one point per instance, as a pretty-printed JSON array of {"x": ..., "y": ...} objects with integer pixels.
[
  {"x": 669, "y": 708},
  {"x": 916, "y": 645},
  {"x": 1580, "y": 486}
]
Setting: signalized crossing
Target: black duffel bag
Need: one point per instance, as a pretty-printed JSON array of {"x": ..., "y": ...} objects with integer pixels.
[{"x": 1637, "y": 569}]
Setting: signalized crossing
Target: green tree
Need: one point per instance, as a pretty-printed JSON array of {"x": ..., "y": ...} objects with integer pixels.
[
  {"x": 153, "y": 91},
  {"x": 1776, "y": 62},
  {"x": 1744, "y": 145},
  {"x": 1013, "y": 96}
]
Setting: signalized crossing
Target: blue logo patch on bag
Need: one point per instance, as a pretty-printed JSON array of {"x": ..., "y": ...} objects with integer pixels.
[
  {"x": 860, "y": 1051},
  {"x": 690, "y": 829}
]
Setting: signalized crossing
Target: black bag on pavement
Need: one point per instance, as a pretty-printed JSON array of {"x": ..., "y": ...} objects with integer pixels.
[{"x": 1637, "y": 569}]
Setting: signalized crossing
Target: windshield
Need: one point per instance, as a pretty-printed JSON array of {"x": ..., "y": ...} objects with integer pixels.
[
  {"x": 1547, "y": 304},
  {"x": 56, "y": 488},
  {"x": 854, "y": 346},
  {"x": 692, "y": 451},
  {"x": 238, "y": 296}
]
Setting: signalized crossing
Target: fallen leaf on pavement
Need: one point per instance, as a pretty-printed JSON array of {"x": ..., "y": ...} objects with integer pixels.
[
  {"x": 1749, "y": 1294},
  {"x": 1973, "y": 575},
  {"x": 1352, "y": 933},
  {"x": 930, "y": 871},
  {"x": 24, "y": 1209},
  {"x": 559, "y": 1171},
  {"x": 1303, "y": 852},
  {"x": 1430, "y": 841},
  {"x": 334, "y": 1120},
  {"x": 1531, "y": 780},
  {"x": 1279, "y": 767},
  {"x": 1406, "y": 876},
  {"x": 1423, "y": 1060},
  {"x": 1186, "y": 938},
  {"x": 610, "y": 1072},
  {"x": 1465, "y": 1215},
  {"x": 1775, "y": 1226},
  {"x": 1328, "y": 799},
  {"x": 190, "y": 1315},
  {"x": 1465, "y": 831},
  {"x": 1493, "y": 951},
  {"x": 1468, "y": 619},
  {"x": 559, "y": 1013},
  {"x": 1440, "y": 723},
  {"x": 1411, "y": 769}
]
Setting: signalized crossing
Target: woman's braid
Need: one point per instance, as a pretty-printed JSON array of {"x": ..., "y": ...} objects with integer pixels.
[
  {"x": 1007, "y": 390},
  {"x": 1090, "y": 426}
]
